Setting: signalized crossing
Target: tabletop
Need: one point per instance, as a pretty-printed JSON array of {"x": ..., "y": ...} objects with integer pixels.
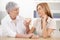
[{"x": 9, "y": 38}]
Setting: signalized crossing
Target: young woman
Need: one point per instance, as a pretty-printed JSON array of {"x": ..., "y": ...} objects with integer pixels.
[{"x": 44, "y": 25}]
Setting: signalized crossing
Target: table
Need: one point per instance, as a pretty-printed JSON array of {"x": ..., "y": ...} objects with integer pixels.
[{"x": 9, "y": 38}]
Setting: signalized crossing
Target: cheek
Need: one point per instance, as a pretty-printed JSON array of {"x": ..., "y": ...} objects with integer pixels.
[
  {"x": 12, "y": 15},
  {"x": 15, "y": 13},
  {"x": 39, "y": 13}
]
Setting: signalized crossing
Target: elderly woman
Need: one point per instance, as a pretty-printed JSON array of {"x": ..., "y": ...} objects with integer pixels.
[
  {"x": 13, "y": 24},
  {"x": 44, "y": 25}
]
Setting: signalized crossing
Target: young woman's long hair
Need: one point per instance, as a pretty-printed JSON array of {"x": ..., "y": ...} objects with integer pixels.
[{"x": 45, "y": 8}]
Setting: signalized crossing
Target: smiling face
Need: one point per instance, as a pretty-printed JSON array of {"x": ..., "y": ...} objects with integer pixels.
[
  {"x": 14, "y": 12},
  {"x": 40, "y": 11}
]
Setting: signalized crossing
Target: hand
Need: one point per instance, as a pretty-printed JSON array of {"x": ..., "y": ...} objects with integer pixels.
[
  {"x": 27, "y": 22},
  {"x": 44, "y": 18},
  {"x": 29, "y": 35},
  {"x": 35, "y": 36},
  {"x": 44, "y": 21}
]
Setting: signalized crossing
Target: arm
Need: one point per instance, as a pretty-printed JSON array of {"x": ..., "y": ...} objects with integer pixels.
[
  {"x": 50, "y": 31},
  {"x": 19, "y": 36},
  {"x": 46, "y": 32},
  {"x": 27, "y": 29},
  {"x": 32, "y": 30},
  {"x": 27, "y": 23},
  {"x": 23, "y": 35}
]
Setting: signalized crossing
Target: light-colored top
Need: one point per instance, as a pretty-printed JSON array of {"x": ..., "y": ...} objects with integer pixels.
[
  {"x": 1, "y": 32},
  {"x": 37, "y": 24},
  {"x": 12, "y": 27}
]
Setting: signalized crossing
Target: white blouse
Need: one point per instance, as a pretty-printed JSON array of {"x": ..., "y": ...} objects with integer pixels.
[
  {"x": 9, "y": 27},
  {"x": 51, "y": 23}
]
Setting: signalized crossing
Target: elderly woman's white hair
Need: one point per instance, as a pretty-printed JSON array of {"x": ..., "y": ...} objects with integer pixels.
[{"x": 11, "y": 5}]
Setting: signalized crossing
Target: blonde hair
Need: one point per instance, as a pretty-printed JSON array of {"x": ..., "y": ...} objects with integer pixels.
[{"x": 46, "y": 9}]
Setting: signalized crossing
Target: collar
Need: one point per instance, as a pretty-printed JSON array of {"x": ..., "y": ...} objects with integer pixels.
[
  {"x": 10, "y": 20},
  {"x": 49, "y": 19}
]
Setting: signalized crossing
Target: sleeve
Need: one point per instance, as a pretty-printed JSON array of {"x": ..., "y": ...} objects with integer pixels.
[
  {"x": 10, "y": 33},
  {"x": 1, "y": 32},
  {"x": 52, "y": 24},
  {"x": 6, "y": 30}
]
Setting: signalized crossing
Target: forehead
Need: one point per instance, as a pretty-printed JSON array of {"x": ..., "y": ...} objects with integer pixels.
[
  {"x": 39, "y": 6},
  {"x": 16, "y": 7}
]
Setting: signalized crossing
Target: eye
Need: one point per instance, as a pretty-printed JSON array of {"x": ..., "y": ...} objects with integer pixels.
[
  {"x": 38, "y": 9},
  {"x": 16, "y": 9}
]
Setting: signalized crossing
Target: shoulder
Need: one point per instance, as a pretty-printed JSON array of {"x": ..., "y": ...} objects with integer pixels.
[
  {"x": 5, "y": 19},
  {"x": 51, "y": 20},
  {"x": 51, "y": 23}
]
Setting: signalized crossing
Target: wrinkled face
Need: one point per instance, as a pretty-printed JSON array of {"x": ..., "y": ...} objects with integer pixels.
[
  {"x": 40, "y": 11},
  {"x": 14, "y": 12}
]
